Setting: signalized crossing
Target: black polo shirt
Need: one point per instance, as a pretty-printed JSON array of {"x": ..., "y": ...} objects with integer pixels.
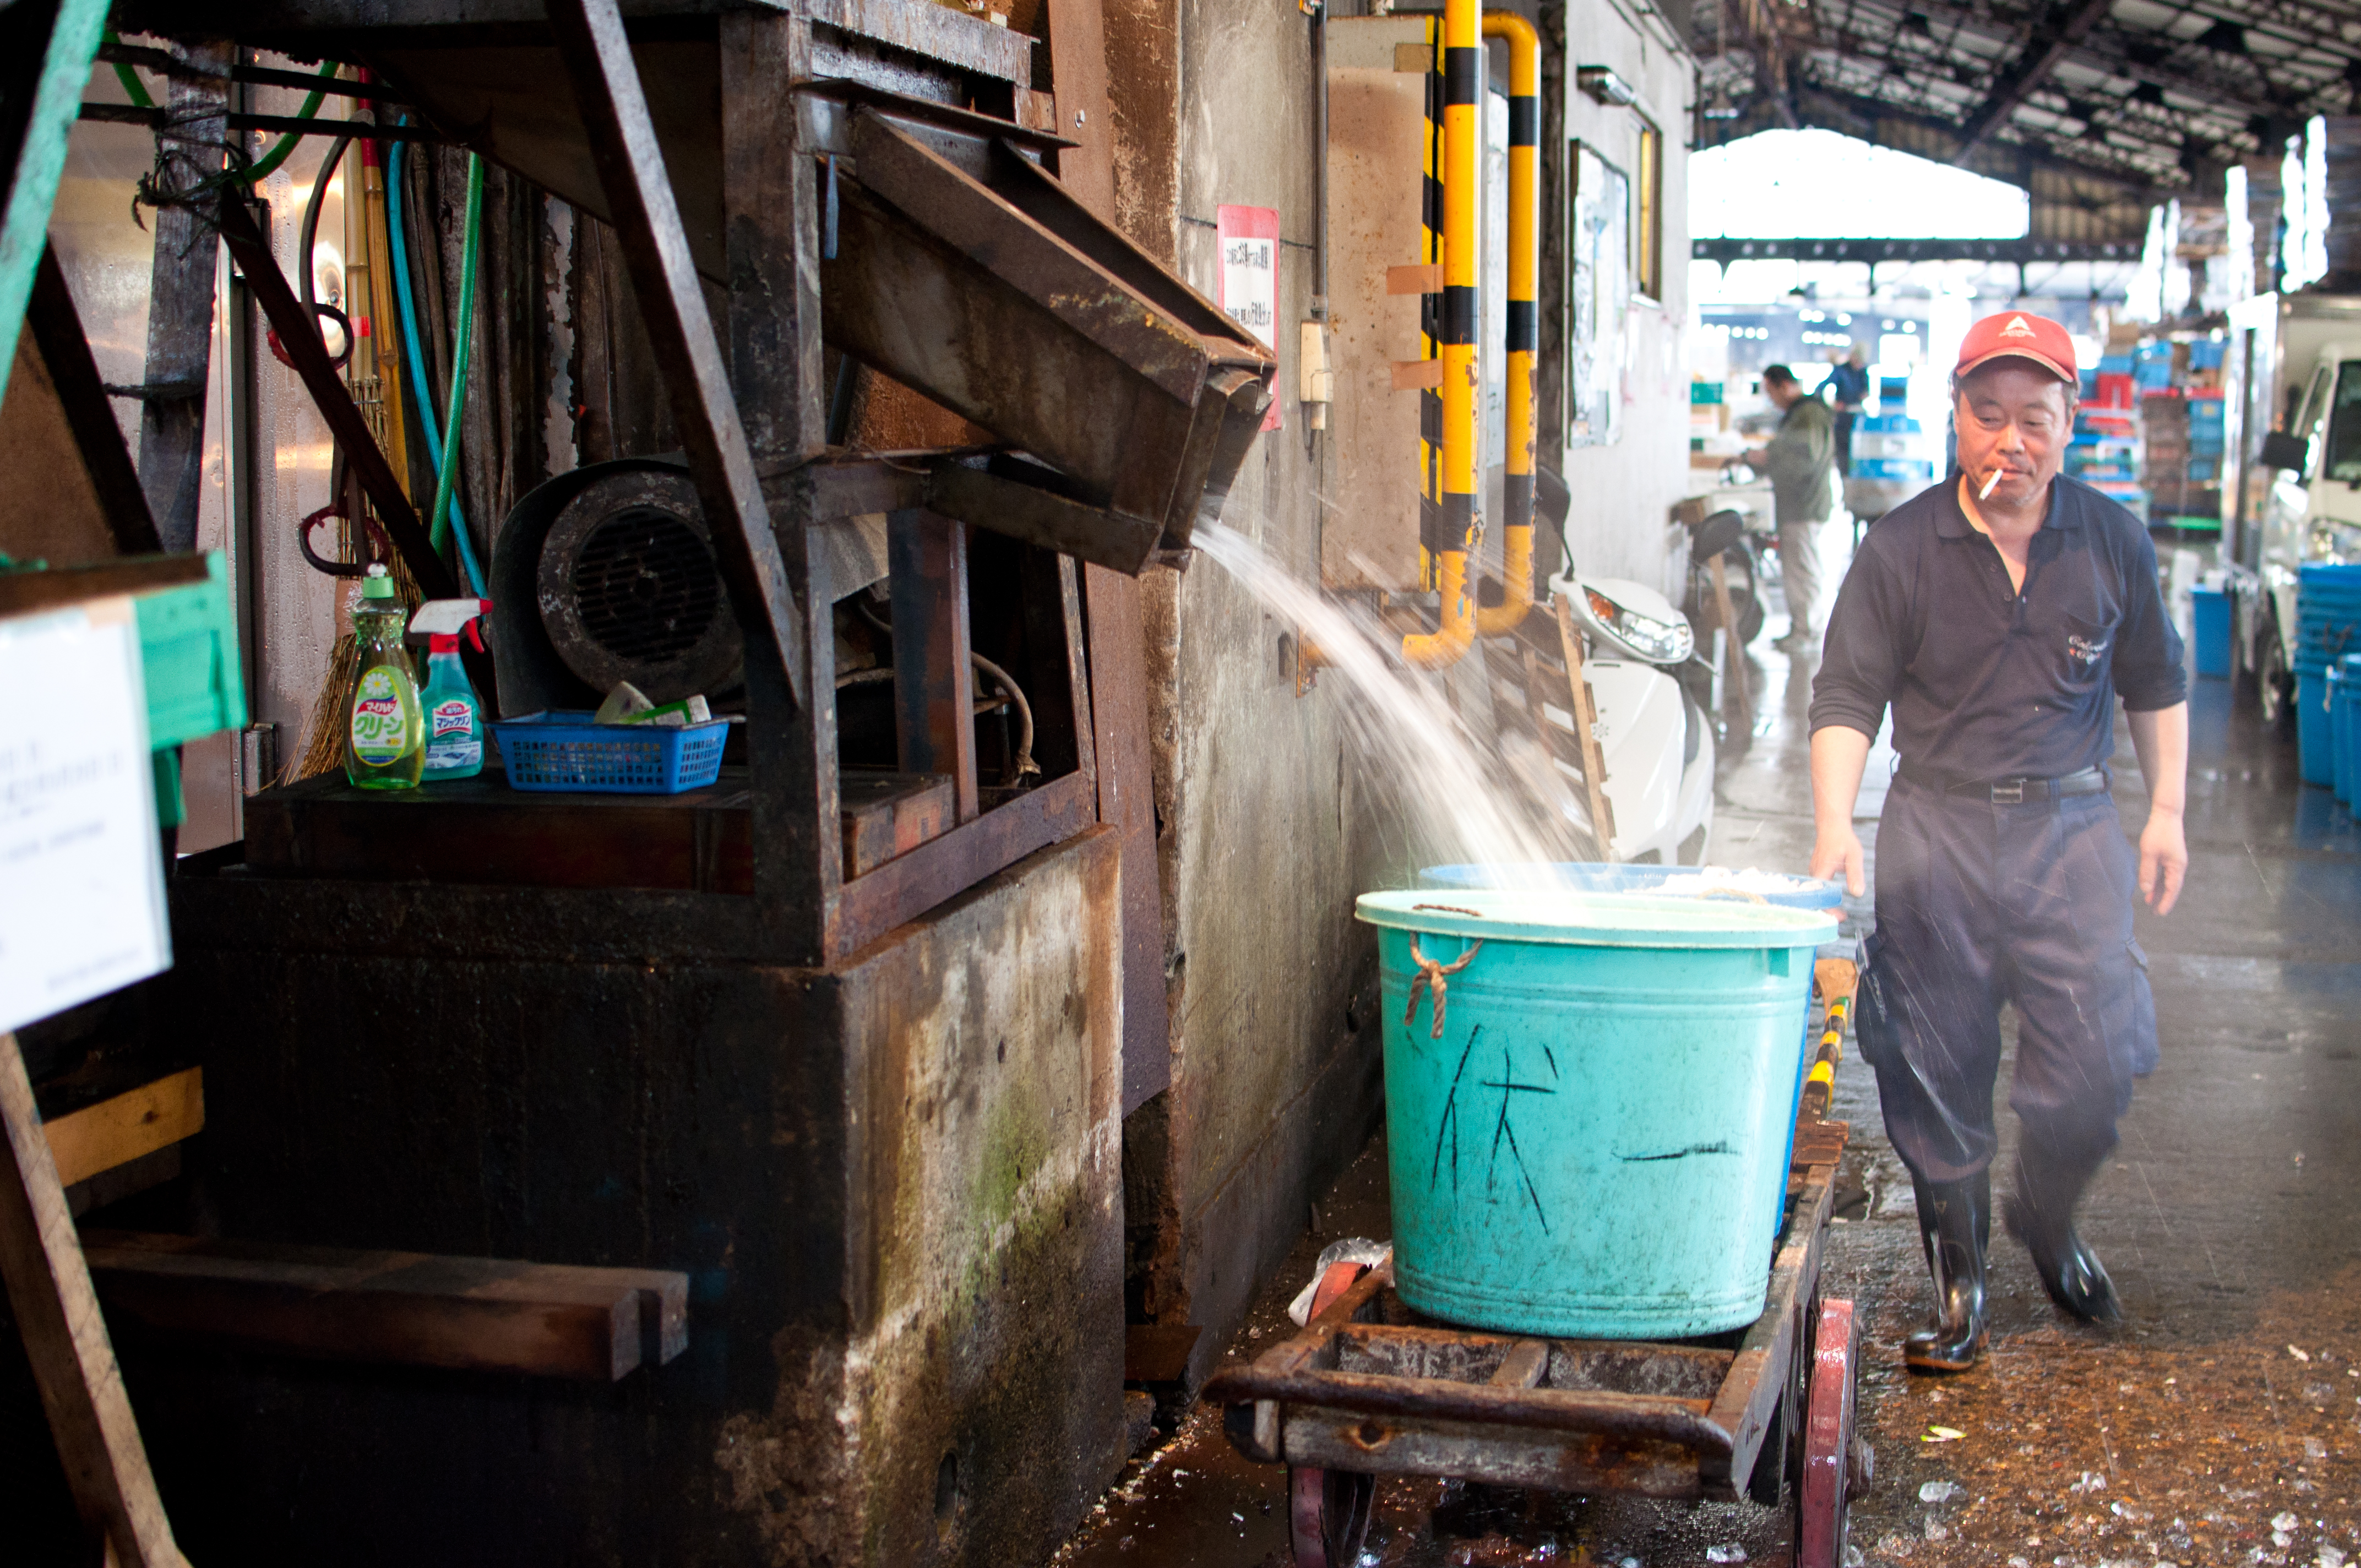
[{"x": 1987, "y": 682}]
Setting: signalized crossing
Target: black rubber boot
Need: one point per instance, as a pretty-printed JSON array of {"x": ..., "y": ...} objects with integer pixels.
[
  {"x": 2041, "y": 1215},
  {"x": 1955, "y": 1223}
]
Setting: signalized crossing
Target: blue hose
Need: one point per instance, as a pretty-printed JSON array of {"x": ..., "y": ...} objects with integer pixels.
[{"x": 416, "y": 381}]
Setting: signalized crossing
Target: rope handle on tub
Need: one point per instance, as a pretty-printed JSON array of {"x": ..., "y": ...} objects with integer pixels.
[{"x": 1430, "y": 977}]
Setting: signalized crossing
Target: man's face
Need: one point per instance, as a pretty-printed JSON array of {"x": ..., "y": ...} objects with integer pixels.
[
  {"x": 2015, "y": 417},
  {"x": 1783, "y": 393}
]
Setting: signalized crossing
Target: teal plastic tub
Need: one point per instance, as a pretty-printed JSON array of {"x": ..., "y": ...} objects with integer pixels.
[{"x": 1588, "y": 1146}]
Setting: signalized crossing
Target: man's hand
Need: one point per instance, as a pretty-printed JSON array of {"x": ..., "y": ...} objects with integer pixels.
[
  {"x": 1839, "y": 850},
  {"x": 2164, "y": 860}
]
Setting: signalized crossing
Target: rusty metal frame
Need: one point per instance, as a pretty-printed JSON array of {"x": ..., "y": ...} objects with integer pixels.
[
  {"x": 614, "y": 110},
  {"x": 806, "y": 911},
  {"x": 1665, "y": 1420}
]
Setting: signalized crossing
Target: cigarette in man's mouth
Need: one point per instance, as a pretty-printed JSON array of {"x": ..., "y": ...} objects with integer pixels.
[{"x": 1985, "y": 494}]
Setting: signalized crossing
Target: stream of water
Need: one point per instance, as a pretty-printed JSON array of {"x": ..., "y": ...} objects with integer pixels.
[{"x": 1446, "y": 796}]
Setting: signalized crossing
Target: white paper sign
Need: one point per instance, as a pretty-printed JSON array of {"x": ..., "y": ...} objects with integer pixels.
[
  {"x": 82, "y": 880},
  {"x": 1249, "y": 275}
]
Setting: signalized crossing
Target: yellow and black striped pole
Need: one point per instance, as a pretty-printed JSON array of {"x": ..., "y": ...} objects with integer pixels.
[
  {"x": 1524, "y": 323},
  {"x": 1463, "y": 86}
]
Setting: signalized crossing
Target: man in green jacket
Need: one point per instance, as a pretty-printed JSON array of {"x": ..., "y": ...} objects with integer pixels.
[{"x": 1799, "y": 460}]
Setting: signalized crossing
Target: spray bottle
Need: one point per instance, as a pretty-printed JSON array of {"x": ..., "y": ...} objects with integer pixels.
[
  {"x": 385, "y": 733},
  {"x": 455, "y": 715}
]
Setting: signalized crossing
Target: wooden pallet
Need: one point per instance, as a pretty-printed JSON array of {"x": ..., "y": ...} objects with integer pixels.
[{"x": 1369, "y": 1385}]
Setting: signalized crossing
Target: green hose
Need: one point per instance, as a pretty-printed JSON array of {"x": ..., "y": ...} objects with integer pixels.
[
  {"x": 134, "y": 89},
  {"x": 461, "y": 333}
]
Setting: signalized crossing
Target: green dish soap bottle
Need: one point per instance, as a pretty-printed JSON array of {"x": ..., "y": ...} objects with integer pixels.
[
  {"x": 385, "y": 732},
  {"x": 455, "y": 720}
]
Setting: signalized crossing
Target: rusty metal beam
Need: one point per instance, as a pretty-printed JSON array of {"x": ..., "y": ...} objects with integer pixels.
[
  {"x": 614, "y": 109},
  {"x": 2062, "y": 27},
  {"x": 299, "y": 334},
  {"x": 934, "y": 684}
]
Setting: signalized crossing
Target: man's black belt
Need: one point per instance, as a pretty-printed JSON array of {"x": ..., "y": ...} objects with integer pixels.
[{"x": 2017, "y": 791}]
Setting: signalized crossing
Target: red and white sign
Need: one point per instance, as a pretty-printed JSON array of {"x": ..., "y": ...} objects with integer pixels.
[{"x": 1248, "y": 237}]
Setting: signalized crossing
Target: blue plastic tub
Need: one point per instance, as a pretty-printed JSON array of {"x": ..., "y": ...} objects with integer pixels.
[
  {"x": 1610, "y": 876},
  {"x": 2340, "y": 729},
  {"x": 566, "y": 750},
  {"x": 1586, "y": 1142},
  {"x": 2345, "y": 729},
  {"x": 2314, "y": 759},
  {"x": 2211, "y": 622}
]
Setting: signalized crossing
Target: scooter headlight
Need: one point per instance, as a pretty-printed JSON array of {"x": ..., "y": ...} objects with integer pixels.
[{"x": 1659, "y": 641}]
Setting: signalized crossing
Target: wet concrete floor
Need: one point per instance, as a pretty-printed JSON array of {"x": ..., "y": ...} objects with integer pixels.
[{"x": 2220, "y": 1424}]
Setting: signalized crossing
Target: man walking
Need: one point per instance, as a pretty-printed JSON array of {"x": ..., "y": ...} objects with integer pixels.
[
  {"x": 2001, "y": 614},
  {"x": 1797, "y": 460},
  {"x": 1849, "y": 380}
]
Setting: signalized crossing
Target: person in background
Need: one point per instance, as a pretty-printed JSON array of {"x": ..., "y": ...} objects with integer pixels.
[
  {"x": 1849, "y": 381},
  {"x": 2000, "y": 616},
  {"x": 1798, "y": 459}
]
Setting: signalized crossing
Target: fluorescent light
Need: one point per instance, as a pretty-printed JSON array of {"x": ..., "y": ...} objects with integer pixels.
[{"x": 1603, "y": 84}]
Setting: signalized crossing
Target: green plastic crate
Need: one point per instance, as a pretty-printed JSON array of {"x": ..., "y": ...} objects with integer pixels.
[{"x": 188, "y": 645}]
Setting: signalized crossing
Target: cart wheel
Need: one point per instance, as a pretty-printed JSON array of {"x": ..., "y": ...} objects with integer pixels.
[
  {"x": 1328, "y": 1510},
  {"x": 1836, "y": 1463}
]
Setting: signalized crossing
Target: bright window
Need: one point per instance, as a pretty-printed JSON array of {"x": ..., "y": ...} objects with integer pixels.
[{"x": 1648, "y": 233}]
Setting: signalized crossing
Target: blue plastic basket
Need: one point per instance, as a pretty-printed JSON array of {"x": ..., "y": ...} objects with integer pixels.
[{"x": 562, "y": 751}]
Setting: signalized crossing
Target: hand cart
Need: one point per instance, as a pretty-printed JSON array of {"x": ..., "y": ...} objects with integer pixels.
[{"x": 1372, "y": 1388}]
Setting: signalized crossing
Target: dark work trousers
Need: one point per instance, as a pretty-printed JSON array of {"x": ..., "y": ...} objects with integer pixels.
[{"x": 1978, "y": 905}]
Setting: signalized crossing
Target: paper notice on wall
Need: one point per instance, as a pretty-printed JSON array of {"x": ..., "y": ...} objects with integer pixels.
[
  {"x": 82, "y": 884},
  {"x": 1249, "y": 242}
]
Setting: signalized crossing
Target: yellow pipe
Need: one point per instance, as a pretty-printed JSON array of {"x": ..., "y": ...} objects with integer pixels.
[
  {"x": 1524, "y": 321},
  {"x": 1463, "y": 91}
]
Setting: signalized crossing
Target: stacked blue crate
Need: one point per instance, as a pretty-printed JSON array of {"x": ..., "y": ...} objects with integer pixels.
[
  {"x": 1894, "y": 470},
  {"x": 2328, "y": 625}
]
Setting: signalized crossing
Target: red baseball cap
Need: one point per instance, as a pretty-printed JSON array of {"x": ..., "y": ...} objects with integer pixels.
[{"x": 2020, "y": 335}]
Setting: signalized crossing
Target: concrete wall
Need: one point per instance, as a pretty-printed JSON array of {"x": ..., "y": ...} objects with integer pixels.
[
  {"x": 1265, "y": 836},
  {"x": 1624, "y": 492},
  {"x": 1274, "y": 1080},
  {"x": 894, "y": 1186}
]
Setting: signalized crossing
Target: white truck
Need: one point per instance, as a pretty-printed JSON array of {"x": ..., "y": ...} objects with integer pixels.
[{"x": 2291, "y": 489}]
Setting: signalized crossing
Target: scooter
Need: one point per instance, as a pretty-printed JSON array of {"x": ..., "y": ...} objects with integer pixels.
[
  {"x": 1657, "y": 742},
  {"x": 1724, "y": 544}
]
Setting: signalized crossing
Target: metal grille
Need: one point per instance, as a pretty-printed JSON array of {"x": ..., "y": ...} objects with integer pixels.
[{"x": 646, "y": 585}]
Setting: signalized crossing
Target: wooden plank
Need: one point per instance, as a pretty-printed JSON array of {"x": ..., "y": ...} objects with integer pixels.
[
  {"x": 408, "y": 1308},
  {"x": 1078, "y": 72},
  {"x": 479, "y": 831},
  {"x": 117, "y": 1131},
  {"x": 1749, "y": 1395},
  {"x": 1127, "y": 802},
  {"x": 934, "y": 683},
  {"x": 908, "y": 885},
  {"x": 1586, "y": 730},
  {"x": 885, "y": 814},
  {"x": 66, "y": 1340},
  {"x": 23, "y": 593},
  {"x": 1480, "y": 1450}
]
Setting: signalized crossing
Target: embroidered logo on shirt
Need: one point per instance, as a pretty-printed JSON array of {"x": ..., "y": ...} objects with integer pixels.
[
  {"x": 2082, "y": 650},
  {"x": 2016, "y": 328}
]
